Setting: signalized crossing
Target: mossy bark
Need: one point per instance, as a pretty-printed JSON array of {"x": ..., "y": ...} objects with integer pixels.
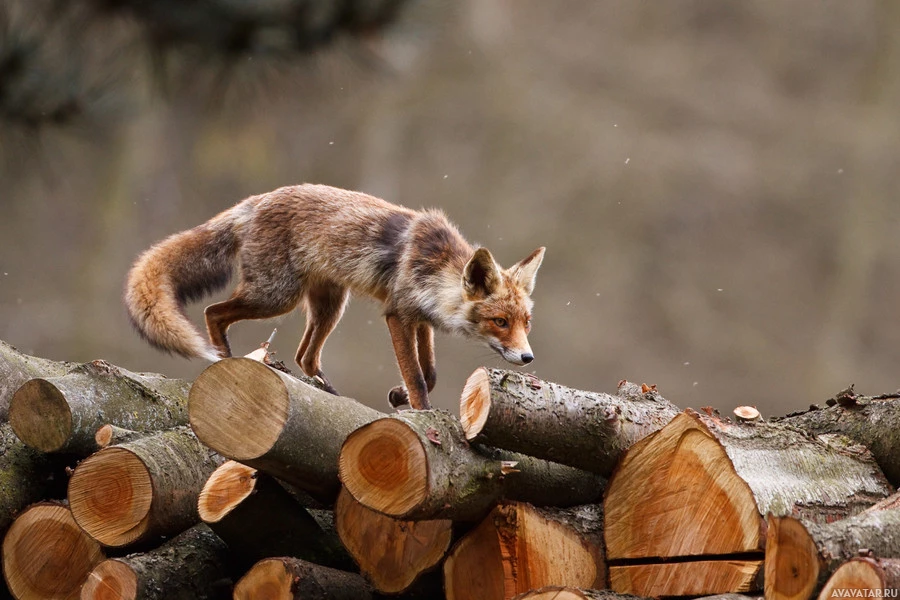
[{"x": 16, "y": 368}]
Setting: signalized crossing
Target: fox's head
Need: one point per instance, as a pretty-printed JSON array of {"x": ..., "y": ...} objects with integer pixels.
[{"x": 499, "y": 303}]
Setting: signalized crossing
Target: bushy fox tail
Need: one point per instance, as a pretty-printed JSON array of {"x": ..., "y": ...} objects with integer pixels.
[{"x": 182, "y": 268}]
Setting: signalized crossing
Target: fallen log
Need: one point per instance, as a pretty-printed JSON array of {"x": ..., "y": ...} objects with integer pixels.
[
  {"x": 589, "y": 430},
  {"x": 46, "y": 555},
  {"x": 274, "y": 422},
  {"x": 700, "y": 487},
  {"x": 258, "y": 518},
  {"x": 62, "y": 414},
  {"x": 191, "y": 566},
  {"x": 872, "y": 422},
  {"x": 863, "y": 577},
  {"x": 801, "y": 555},
  {"x": 391, "y": 554},
  {"x": 292, "y": 578},
  {"x": 16, "y": 368},
  {"x": 417, "y": 465},
  {"x": 518, "y": 547},
  {"x": 141, "y": 490}
]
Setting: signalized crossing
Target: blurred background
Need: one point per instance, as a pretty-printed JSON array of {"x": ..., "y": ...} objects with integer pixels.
[{"x": 714, "y": 181}]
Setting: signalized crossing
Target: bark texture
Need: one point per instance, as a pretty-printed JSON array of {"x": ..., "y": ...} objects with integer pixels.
[
  {"x": 557, "y": 592},
  {"x": 192, "y": 566},
  {"x": 291, "y": 578},
  {"x": 863, "y": 577},
  {"x": 16, "y": 368},
  {"x": 62, "y": 414},
  {"x": 801, "y": 556},
  {"x": 46, "y": 554},
  {"x": 871, "y": 422},
  {"x": 258, "y": 518},
  {"x": 518, "y": 547},
  {"x": 417, "y": 465},
  {"x": 274, "y": 422},
  {"x": 588, "y": 430},
  {"x": 142, "y": 490},
  {"x": 391, "y": 554}
]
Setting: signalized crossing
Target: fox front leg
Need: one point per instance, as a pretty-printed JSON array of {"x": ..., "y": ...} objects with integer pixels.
[{"x": 403, "y": 336}]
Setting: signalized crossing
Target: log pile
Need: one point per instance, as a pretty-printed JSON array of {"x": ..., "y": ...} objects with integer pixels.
[{"x": 252, "y": 483}]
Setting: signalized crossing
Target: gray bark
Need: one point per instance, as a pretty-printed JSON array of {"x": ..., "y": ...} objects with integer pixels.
[{"x": 16, "y": 368}]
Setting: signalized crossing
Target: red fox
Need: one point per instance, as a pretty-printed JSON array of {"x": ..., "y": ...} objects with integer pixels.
[{"x": 314, "y": 244}]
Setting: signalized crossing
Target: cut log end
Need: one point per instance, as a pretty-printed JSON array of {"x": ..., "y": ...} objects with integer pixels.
[
  {"x": 111, "y": 580},
  {"x": 269, "y": 578},
  {"x": 792, "y": 566},
  {"x": 110, "y": 494},
  {"x": 475, "y": 402},
  {"x": 863, "y": 575},
  {"x": 46, "y": 554},
  {"x": 747, "y": 413},
  {"x": 223, "y": 408},
  {"x": 384, "y": 466},
  {"x": 226, "y": 488},
  {"x": 36, "y": 404}
]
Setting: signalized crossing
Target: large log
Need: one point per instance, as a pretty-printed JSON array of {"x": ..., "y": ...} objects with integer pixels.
[
  {"x": 872, "y": 422},
  {"x": 391, "y": 554},
  {"x": 191, "y": 566},
  {"x": 589, "y": 430},
  {"x": 864, "y": 577},
  {"x": 16, "y": 368},
  {"x": 559, "y": 592},
  {"x": 417, "y": 465},
  {"x": 142, "y": 490},
  {"x": 518, "y": 547},
  {"x": 274, "y": 422},
  {"x": 697, "y": 491},
  {"x": 62, "y": 414},
  {"x": 258, "y": 518},
  {"x": 801, "y": 555},
  {"x": 294, "y": 579},
  {"x": 46, "y": 555}
]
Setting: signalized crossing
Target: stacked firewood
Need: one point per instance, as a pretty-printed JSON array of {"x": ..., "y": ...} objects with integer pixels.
[{"x": 252, "y": 483}]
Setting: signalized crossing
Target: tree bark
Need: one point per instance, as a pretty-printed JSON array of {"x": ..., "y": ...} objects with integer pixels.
[
  {"x": 800, "y": 555},
  {"x": 26, "y": 476},
  {"x": 192, "y": 566},
  {"x": 258, "y": 518},
  {"x": 293, "y": 578},
  {"x": 874, "y": 423},
  {"x": 518, "y": 547},
  {"x": 558, "y": 592},
  {"x": 46, "y": 554},
  {"x": 699, "y": 487},
  {"x": 588, "y": 430},
  {"x": 142, "y": 490},
  {"x": 391, "y": 554},
  {"x": 867, "y": 577},
  {"x": 16, "y": 368},
  {"x": 274, "y": 422},
  {"x": 62, "y": 414},
  {"x": 417, "y": 465}
]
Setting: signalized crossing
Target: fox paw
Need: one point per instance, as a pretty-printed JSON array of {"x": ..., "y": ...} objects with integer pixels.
[{"x": 398, "y": 396}]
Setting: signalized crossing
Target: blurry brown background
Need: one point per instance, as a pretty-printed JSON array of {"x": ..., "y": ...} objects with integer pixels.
[{"x": 715, "y": 183}]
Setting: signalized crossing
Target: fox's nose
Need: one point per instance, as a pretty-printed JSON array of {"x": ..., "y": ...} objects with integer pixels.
[{"x": 527, "y": 357}]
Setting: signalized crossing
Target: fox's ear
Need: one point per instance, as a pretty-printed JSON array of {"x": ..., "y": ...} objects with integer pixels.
[
  {"x": 481, "y": 275},
  {"x": 525, "y": 271}
]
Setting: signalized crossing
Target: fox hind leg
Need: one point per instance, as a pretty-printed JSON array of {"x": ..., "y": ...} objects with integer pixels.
[
  {"x": 242, "y": 306},
  {"x": 324, "y": 305}
]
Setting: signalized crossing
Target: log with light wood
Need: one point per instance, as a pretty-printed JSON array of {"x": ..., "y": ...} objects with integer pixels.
[
  {"x": 191, "y": 566},
  {"x": 17, "y": 367},
  {"x": 417, "y": 465},
  {"x": 589, "y": 430},
  {"x": 46, "y": 555},
  {"x": 559, "y": 592},
  {"x": 518, "y": 547},
  {"x": 285, "y": 578},
  {"x": 801, "y": 555},
  {"x": 141, "y": 490},
  {"x": 258, "y": 518},
  {"x": 873, "y": 422},
  {"x": 391, "y": 554},
  {"x": 62, "y": 414},
  {"x": 274, "y": 422},
  {"x": 863, "y": 577},
  {"x": 685, "y": 508}
]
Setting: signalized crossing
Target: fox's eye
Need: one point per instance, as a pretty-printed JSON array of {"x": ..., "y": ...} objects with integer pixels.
[{"x": 500, "y": 322}]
